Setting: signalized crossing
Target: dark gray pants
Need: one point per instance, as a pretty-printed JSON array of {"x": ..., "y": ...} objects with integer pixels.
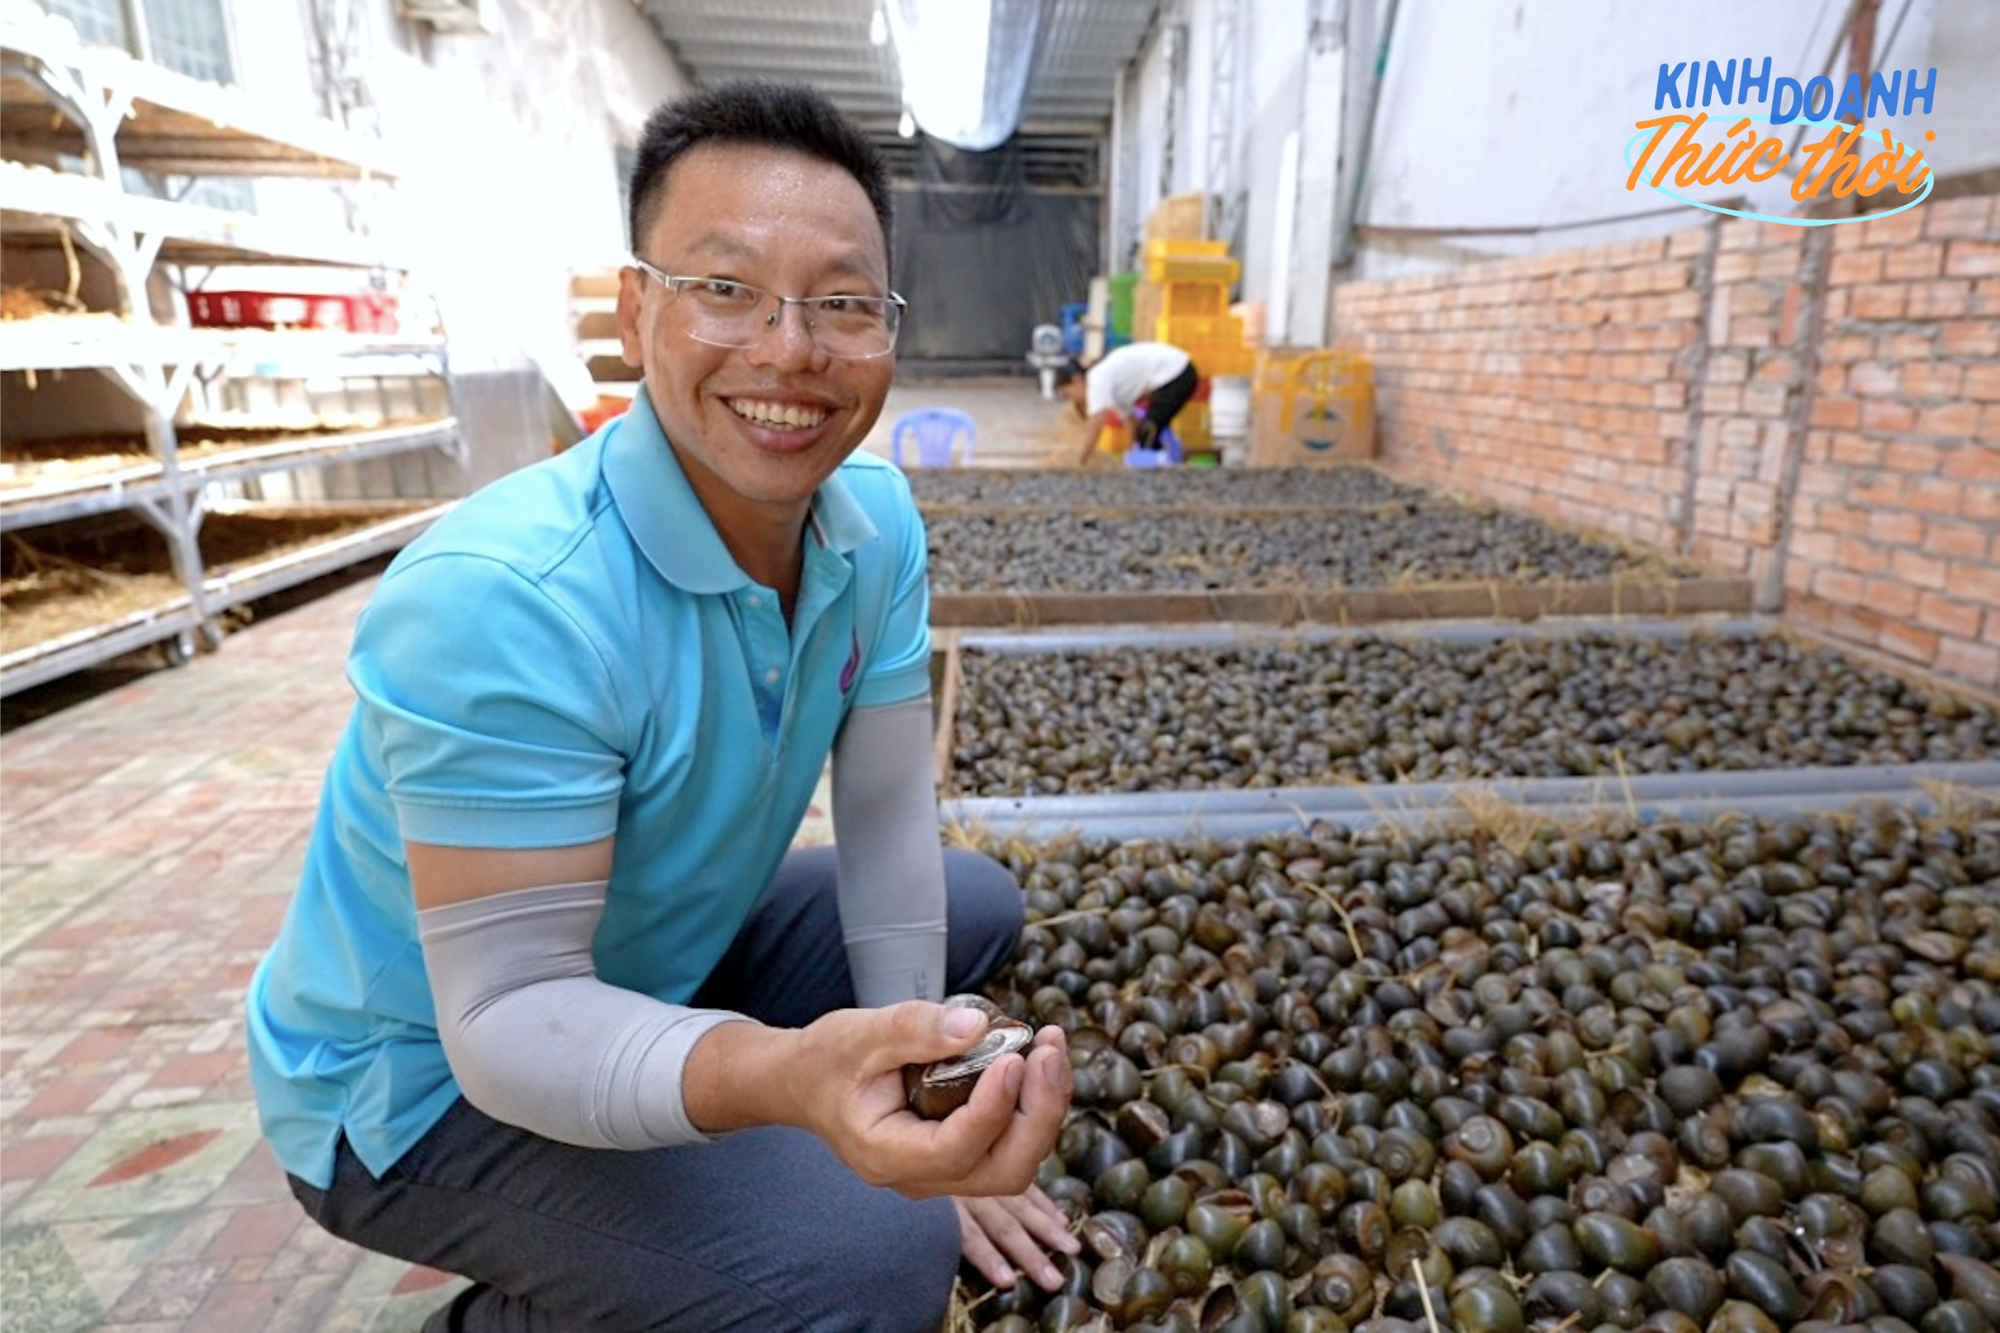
[{"x": 763, "y": 1229}]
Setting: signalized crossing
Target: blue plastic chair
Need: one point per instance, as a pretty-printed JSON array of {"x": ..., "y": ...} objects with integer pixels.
[{"x": 936, "y": 429}]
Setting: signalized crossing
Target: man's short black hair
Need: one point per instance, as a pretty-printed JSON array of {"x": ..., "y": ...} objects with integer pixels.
[
  {"x": 753, "y": 112},
  {"x": 1069, "y": 371}
]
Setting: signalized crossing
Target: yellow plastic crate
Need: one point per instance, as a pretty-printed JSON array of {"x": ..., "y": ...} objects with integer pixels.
[
  {"x": 1197, "y": 268},
  {"x": 1168, "y": 248},
  {"x": 1206, "y": 300},
  {"x": 1190, "y": 331}
]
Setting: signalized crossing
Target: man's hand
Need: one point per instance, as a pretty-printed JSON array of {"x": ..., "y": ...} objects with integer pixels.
[
  {"x": 1004, "y": 1237},
  {"x": 842, "y": 1079}
]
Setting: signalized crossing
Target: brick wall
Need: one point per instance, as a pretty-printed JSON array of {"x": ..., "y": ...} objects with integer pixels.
[{"x": 1815, "y": 408}]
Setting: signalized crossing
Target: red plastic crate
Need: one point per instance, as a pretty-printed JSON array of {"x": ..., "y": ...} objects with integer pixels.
[{"x": 372, "y": 312}]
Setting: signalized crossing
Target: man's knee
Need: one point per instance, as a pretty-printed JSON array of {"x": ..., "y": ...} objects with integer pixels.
[{"x": 986, "y": 912}]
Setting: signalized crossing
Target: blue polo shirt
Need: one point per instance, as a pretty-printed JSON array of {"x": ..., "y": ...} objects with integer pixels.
[{"x": 570, "y": 655}]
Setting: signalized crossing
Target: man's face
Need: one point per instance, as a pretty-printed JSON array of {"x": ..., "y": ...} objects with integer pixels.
[{"x": 757, "y": 428}]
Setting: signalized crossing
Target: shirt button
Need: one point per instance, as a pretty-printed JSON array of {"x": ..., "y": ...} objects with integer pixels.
[
  {"x": 771, "y": 676},
  {"x": 756, "y": 602}
]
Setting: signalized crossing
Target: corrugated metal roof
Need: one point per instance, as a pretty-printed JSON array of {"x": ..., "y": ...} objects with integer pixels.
[{"x": 826, "y": 43}]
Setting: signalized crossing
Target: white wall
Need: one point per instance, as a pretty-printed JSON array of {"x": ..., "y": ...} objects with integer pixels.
[{"x": 506, "y": 143}]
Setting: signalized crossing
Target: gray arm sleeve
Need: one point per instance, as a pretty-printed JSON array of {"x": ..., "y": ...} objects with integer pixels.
[
  {"x": 536, "y": 1040},
  {"x": 891, "y": 865}
]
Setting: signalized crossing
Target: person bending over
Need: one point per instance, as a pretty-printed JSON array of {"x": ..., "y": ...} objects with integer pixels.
[
  {"x": 1158, "y": 377},
  {"x": 555, "y": 1005}
]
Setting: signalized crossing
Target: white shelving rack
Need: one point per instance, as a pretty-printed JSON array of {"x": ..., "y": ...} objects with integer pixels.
[{"x": 76, "y": 123}]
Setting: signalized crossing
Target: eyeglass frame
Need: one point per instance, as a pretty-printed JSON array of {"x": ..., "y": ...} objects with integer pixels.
[{"x": 892, "y": 302}]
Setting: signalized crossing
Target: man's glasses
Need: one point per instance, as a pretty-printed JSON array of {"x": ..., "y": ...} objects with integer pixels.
[{"x": 735, "y": 314}]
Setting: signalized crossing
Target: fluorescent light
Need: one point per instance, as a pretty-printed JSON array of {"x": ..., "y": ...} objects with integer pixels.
[
  {"x": 878, "y": 26},
  {"x": 907, "y": 126}
]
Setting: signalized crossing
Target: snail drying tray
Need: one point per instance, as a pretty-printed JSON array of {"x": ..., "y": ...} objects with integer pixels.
[
  {"x": 1360, "y": 565},
  {"x": 1158, "y": 731},
  {"x": 1304, "y": 1084}
]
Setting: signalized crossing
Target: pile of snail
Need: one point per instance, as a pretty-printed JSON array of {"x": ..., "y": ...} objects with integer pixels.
[
  {"x": 1387, "y": 708},
  {"x": 1731, "y": 1077},
  {"x": 1403, "y": 546},
  {"x": 1214, "y": 488}
]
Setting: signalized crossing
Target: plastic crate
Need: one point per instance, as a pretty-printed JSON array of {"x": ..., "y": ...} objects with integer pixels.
[
  {"x": 1120, "y": 287},
  {"x": 373, "y": 312},
  {"x": 1194, "y": 268},
  {"x": 1073, "y": 315},
  {"x": 1208, "y": 300}
]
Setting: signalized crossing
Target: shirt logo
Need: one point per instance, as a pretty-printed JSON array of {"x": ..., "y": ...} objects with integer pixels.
[{"x": 853, "y": 663}]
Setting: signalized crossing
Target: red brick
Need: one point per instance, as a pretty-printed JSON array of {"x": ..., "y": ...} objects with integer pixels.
[
  {"x": 1766, "y": 400},
  {"x": 1933, "y": 495},
  {"x": 1969, "y": 337},
  {"x": 1918, "y": 568},
  {"x": 1954, "y": 419},
  {"x": 1887, "y": 415},
  {"x": 1887, "y": 525},
  {"x": 1881, "y": 300},
  {"x": 1891, "y": 230},
  {"x": 1837, "y": 517},
  {"x": 1877, "y": 379},
  {"x": 1847, "y": 347},
  {"x": 1932, "y": 380},
  {"x": 1976, "y": 583},
  {"x": 1921, "y": 259},
  {"x": 1906, "y": 347},
  {"x": 1918, "y": 645},
  {"x": 1955, "y": 541},
  {"x": 1777, "y": 265},
  {"x": 1733, "y": 268},
  {"x": 1687, "y": 243},
  {"x": 1854, "y": 267},
  {"x": 1946, "y": 615},
  {"x": 1728, "y": 368},
  {"x": 1985, "y": 297},
  {"x": 1974, "y": 663},
  {"x": 1972, "y": 259},
  {"x": 1977, "y": 464},
  {"x": 1956, "y": 217},
  {"x": 1943, "y": 299},
  {"x": 1982, "y": 383},
  {"x": 1837, "y": 585},
  {"x": 1855, "y": 450},
  {"x": 1890, "y": 597}
]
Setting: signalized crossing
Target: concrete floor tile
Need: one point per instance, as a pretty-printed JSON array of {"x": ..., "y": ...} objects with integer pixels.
[
  {"x": 167, "y": 1291},
  {"x": 34, "y": 1157},
  {"x": 260, "y": 1230},
  {"x": 42, "y": 1289},
  {"x": 145, "y": 1164}
]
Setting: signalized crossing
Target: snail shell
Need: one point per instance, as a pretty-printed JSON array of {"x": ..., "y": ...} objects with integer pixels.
[{"x": 937, "y": 1089}]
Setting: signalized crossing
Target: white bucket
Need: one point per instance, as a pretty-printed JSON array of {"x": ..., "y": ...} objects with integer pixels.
[{"x": 1229, "y": 406}]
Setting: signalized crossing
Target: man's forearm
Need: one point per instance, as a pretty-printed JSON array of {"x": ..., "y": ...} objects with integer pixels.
[{"x": 891, "y": 865}]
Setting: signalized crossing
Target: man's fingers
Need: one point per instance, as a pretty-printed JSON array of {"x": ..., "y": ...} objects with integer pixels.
[{"x": 978, "y": 1247}]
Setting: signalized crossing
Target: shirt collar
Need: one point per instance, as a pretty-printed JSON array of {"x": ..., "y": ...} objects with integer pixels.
[{"x": 666, "y": 517}]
